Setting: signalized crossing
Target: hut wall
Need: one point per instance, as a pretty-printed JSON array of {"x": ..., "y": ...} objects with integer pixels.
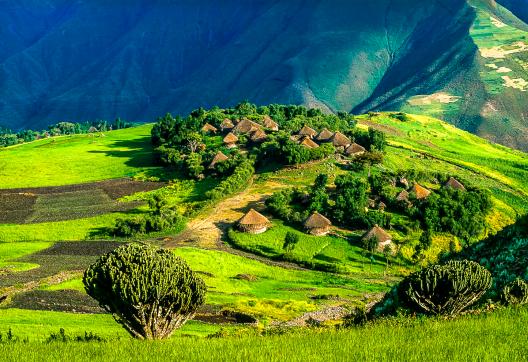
[
  {"x": 253, "y": 229},
  {"x": 319, "y": 231}
]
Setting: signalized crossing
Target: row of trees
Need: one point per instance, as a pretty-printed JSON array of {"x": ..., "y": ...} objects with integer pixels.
[{"x": 9, "y": 138}]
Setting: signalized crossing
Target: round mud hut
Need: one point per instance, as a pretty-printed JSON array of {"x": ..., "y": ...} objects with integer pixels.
[
  {"x": 381, "y": 236},
  {"x": 253, "y": 222},
  {"x": 317, "y": 224}
]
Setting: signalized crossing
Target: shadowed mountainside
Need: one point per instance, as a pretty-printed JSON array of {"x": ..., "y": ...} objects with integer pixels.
[{"x": 81, "y": 60}]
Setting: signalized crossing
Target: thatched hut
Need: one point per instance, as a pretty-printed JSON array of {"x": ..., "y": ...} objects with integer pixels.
[
  {"x": 226, "y": 125},
  {"x": 420, "y": 192},
  {"x": 230, "y": 140},
  {"x": 317, "y": 224},
  {"x": 355, "y": 150},
  {"x": 258, "y": 136},
  {"x": 382, "y": 237},
  {"x": 308, "y": 143},
  {"x": 307, "y": 131},
  {"x": 453, "y": 183},
  {"x": 339, "y": 140},
  {"x": 209, "y": 128},
  {"x": 324, "y": 136},
  {"x": 246, "y": 126},
  {"x": 253, "y": 222},
  {"x": 403, "y": 196},
  {"x": 382, "y": 206},
  {"x": 219, "y": 157},
  {"x": 270, "y": 123},
  {"x": 403, "y": 182}
]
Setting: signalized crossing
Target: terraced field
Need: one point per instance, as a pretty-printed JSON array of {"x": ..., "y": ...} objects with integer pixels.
[{"x": 60, "y": 203}]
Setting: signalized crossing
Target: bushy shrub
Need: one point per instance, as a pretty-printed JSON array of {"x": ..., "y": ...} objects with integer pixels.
[
  {"x": 446, "y": 289},
  {"x": 154, "y": 222},
  {"x": 149, "y": 291},
  {"x": 237, "y": 181},
  {"x": 515, "y": 293}
]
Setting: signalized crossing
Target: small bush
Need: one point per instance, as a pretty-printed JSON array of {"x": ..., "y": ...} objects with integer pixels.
[{"x": 515, "y": 293}]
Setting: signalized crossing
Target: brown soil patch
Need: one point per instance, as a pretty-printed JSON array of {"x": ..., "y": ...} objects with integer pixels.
[{"x": 384, "y": 128}]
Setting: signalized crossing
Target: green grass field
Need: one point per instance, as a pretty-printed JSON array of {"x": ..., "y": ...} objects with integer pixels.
[
  {"x": 78, "y": 159},
  {"x": 489, "y": 337},
  {"x": 318, "y": 250}
]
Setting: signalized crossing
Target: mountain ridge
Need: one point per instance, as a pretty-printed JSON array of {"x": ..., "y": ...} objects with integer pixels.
[{"x": 86, "y": 60}]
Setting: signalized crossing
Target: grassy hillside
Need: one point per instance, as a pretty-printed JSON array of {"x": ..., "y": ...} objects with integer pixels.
[
  {"x": 42, "y": 275},
  {"x": 487, "y": 337},
  {"x": 427, "y": 143},
  {"x": 77, "y": 159}
]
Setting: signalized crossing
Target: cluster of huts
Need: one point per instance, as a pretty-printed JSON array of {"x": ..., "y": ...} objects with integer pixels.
[
  {"x": 234, "y": 128},
  {"x": 419, "y": 192},
  {"x": 316, "y": 224},
  {"x": 310, "y": 138}
]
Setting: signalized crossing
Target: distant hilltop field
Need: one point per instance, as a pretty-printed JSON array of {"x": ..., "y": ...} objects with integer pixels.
[{"x": 463, "y": 61}]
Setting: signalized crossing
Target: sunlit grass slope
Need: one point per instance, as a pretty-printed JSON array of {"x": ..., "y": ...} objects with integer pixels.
[
  {"x": 490, "y": 337},
  {"x": 422, "y": 141},
  {"x": 77, "y": 159}
]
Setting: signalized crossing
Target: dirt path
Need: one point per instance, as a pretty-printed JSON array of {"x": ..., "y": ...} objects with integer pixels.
[{"x": 208, "y": 229}]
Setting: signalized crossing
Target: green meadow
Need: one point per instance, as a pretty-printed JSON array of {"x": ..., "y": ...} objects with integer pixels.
[
  {"x": 76, "y": 159},
  {"x": 497, "y": 336}
]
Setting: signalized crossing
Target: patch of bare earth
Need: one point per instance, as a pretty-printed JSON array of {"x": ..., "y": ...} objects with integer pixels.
[
  {"x": 384, "y": 128},
  {"x": 208, "y": 229}
]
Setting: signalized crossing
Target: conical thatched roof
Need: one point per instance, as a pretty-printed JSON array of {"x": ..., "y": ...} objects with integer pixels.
[
  {"x": 246, "y": 126},
  {"x": 307, "y": 131},
  {"x": 308, "y": 143},
  {"x": 420, "y": 192},
  {"x": 403, "y": 181},
  {"x": 403, "y": 196},
  {"x": 270, "y": 123},
  {"x": 230, "y": 138},
  {"x": 340, "y": 140},
  {"x": 209, "y": 128},
  {"x": 377, "y": 233},
  {"x": 316, "y": 220},
  {"x": 324, "y": 136},
  {"x": 455, "y": 184},
  {"x": 219, "y": 157},
  {"x": 227, "y": 124},
  {"x": 258, "y": 135},
  {"x": 253, "y": 218},
  {"x": 355, "y": 149}
]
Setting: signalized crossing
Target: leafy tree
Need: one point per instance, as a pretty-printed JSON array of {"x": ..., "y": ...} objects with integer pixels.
[
  {"x": 370, "y": 244},
  {"x": 290, "y": 240},
  {"x": 351, "y": 199},
  {"x": 193, "y": 140},
  {"x": 149, "y": 291},
  {"x": 193, "y": 165},
  {"x": 377, "y": 140},
  {"x": 245, "y": 109},
  {"x": 367, "y": 159}
]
